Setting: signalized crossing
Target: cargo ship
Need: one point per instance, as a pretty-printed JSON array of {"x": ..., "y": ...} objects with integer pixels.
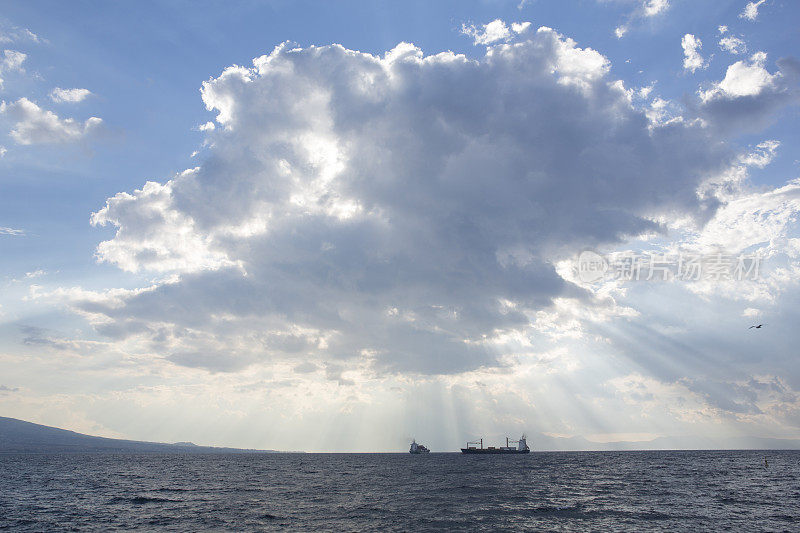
[
  {"x": 418, "y": 448},
  {"x": 521, "y": 447}
]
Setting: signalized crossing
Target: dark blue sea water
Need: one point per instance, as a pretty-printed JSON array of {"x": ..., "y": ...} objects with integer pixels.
[{"x": 579, "y": 491}]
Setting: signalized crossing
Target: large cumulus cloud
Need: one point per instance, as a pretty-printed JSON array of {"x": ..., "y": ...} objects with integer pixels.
[{"x": 395, "y": 211}]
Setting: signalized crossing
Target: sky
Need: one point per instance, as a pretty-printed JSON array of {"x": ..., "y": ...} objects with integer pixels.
[{"x": 337, "y": 226}]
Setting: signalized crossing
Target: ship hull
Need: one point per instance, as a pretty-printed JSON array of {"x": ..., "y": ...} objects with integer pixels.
[{"x": 489, "y": 451}]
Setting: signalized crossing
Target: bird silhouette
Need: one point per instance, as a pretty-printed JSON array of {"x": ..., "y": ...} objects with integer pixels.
[{"x": 757, "y": 327}]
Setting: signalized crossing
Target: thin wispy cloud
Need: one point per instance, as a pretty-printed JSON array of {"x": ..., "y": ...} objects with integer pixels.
[
  {"x": 644, "y": 9},
  {"x": 12, "y": 60},
  {"x": 4, "y": 230},
  {"x": 60, "y": 95},
  {"x": 11, "y": 34}
]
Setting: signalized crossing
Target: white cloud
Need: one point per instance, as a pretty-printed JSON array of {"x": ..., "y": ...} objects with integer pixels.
[
  {"x": 645, "y": 91},
  {"x": 163, "y": 239},
  {"x": 11, "y": 231},
  {"x": 722, "y": 30},
  {"x": 3, "y": 151},
  {"x": 749, "y": 95},
  {"x": 10, "y": 34},
  {"x": 439, "y": 187},
  {"x": 35, "y": 125},
  {"x": 750, "y": 11},
  {"x": 763, "y": 154},
  {"x": 743, "y": 78},
  {"x": 520, "y": 27},
  {"x": 494, "y": 32},
  {"x": 733, "y": 45},
  {"x": 12, "y": 60},
  {"x": 754, "y": 219},
  {"x": 644, "y": 9},
  {"x": 652, "y": 8},
  {"x": 208, "y": 126},
  {"x": 692, "y": 59},
  {"x": 60, "y": 95},
  {"x": 754, "y": 222},
  {"x": 661, "y": 112}
]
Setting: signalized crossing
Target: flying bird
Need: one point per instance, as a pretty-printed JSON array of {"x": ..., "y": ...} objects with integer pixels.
[{"x": 757, "y": 327}]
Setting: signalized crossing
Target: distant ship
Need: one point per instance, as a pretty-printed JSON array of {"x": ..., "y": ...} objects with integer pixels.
[
  {"x": 418, "y": 448},
  {"x": 522, "y": 447}
]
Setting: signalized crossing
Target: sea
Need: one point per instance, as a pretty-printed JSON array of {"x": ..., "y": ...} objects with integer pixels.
[{"x": 541, "y": 491}]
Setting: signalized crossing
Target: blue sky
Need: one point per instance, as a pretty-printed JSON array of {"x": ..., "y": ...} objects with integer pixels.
[{"x": 340, "y": 256}]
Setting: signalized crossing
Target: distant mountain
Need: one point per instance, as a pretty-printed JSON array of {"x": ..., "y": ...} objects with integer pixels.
[
  {"x": 547, "y": 443},
  {"x": 18, "y": 436}
]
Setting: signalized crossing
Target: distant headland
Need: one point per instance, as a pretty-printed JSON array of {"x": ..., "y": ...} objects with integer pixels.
[{"x": 18, "y": 436}]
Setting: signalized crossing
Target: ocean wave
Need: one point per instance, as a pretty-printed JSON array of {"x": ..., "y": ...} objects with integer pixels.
[
  {"x": 140, "y": 500},
  {"x": 577, "y": 511}
]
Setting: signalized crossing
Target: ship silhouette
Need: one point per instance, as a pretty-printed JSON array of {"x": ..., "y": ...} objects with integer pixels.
[
  {"x": 418, "y": 448},
  {"x": 522, "y": 447}
]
